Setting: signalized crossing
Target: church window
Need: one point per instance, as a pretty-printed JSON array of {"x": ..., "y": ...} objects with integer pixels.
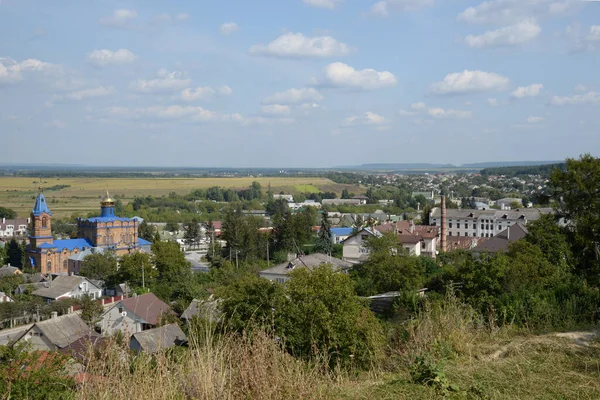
[
  {"x": 44, "y": 222},
  {"x": 65, "y": 265}
]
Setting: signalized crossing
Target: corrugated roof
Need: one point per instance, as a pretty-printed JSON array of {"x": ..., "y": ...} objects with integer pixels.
[
  {"x": 60, "y": 285},
  {"x": 147, "y": 306},
  {"x": 62, "y": 331},
  {"x": 208, "y": 309},
  {"x": 161, "y": 338},
  {"x": 309, "y": 261},
  {"x": 500, "y": 242},
  {"x": 69, "y": 244}
]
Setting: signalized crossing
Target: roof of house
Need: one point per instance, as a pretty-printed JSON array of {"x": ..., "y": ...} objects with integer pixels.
[
  {"x": 153, "y": 340},
  {"x": 80, "y": 348},
  {"x": 14, "y": 222},
  {"x": 144, "y": 242},
  {"x": 520, "y": 213},
  {"x": 463, "y": 242},
  {"x": 69, "y": 244},
  {"x": 208, "y": 309},
  {"x": 64, "y": 330},
  {"x": 8, "y": 270},
  {"x": 146, "y": 306},
  {"x": 61, "y": 285},
  {"x": 408, "y": 232},
  {"x": 500, "y": 242},
  {"x": 309, "y": 261},
  {"x": 40, "y": 206},
  {"x": 510, "y": 200},
  {"x": 341, "y": 231}
]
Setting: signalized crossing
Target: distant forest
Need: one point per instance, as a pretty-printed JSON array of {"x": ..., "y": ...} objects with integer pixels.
[{"x": 543, "y": 170}]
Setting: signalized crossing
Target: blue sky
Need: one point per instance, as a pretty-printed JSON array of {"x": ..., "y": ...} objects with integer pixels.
[{"x": 298, "y": 83}]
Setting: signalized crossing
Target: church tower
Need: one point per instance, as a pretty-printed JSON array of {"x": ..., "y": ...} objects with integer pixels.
[
  {"x": 41, "y": 220},
  {"x": 107, "y": 205}
]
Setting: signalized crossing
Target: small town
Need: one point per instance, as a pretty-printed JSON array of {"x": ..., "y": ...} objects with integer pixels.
[{"x": 301, "y": 199}]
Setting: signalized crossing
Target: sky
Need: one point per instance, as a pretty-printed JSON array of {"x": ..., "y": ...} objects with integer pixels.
[{"x": 297, "y": 83}]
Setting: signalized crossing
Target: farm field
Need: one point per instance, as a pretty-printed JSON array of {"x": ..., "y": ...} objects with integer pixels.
[{"x": 83, "y": 194}]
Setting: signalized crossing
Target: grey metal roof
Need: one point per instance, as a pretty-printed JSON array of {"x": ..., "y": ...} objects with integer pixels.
[
  {"x": 157, "y": 339},
  {"x": 60, "y": 285},
  {"x": 309, "y": 261},
  {"x": 500, "y": 242},
  {"x": 530, "y": 213},
  {"x": 8, "y": 270},
  {"x": 62, "y": 331},
  {"x": 208, "y": 309}
]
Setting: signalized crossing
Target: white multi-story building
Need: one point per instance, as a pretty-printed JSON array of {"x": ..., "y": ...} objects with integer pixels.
[
  {"x": 484, "y": 223},
  {"x": 13, "y": 227}
]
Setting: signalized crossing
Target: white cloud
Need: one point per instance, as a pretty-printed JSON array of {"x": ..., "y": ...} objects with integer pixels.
[
  {"x": 331, "y": 4},
  {"x": 527, "y": 91},
  {"x": 276, "y": 109},
  {"x": 258, "y": 120},
  {"x": 165, "y": 83},
  {"x": 506, "y": 12},
  {"x": 587, "y": 98},
  {"x": 407, "y": 113},
  {"x": 173, "y": 112},
  {"x": 385, "y": 7},
  {"x": 190, "y": 94},
  {"x": 224, "y": 90},
  {"x": 522, "y": 32},
  {"x": 12, "y": 71},
  {"x": 105, "y": 57},
  {"x": 493, "y": 102},
  {"x": 594, "y": 33},
  {"x": 294, "y": 96},
  {"x": 228, "y": 28},
  {"x": 120, "y": 18},
  {"x": 369, "y": 118},
  {"x": 414, "y": 109},
  {"x": 534, "y": 120},
  {"x": 342, "y": 75},
  {"x": 79, "y": 95},
  {"x": 56, "y": 123},
  {"x": 296, "y": 45},
  {"x": 418, "y": 106},
  {"x": 470, "y": 81},
  {"x": 580, "y": 88},
  {"x": 453, "y": 114},
  {"x": 165, "y": 18}
]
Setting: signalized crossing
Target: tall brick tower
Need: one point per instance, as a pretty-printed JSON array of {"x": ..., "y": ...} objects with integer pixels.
[{"x": 41, "y": 222}]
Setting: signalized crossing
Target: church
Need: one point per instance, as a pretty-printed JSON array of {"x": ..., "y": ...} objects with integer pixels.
[{"x": 105, "y": 232}]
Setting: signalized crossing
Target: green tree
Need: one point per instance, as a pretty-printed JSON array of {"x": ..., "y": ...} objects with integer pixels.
[
  {"x": 552, "y": 239},
  {"x": 169, "y": 260},
  {"x": 322, "y": 316},
  {"x": 147, "y": 231},
  {"x": 15, "y": 253},
  {"x": 91, "y": 311},
  {"x": 191, "y": 232},
  {"x": 130, "y": 270},
  {"x": 172, "y": 226},
  {"x": 7, "y": 213},
  {"x": 102, "y": 266},
  {"x": 425, "y": 214},
  {"x": 324, "y": 243}
]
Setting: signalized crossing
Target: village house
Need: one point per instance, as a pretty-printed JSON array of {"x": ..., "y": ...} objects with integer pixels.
[
  {"x": 55, "y": 333},
  {"x": 13, "y": 227},
  {"x": 206, "y": 309},
  {"x": 157, "y": 339},
  {"x": 4, "y": 298},
  {"x": 501, "y": 241},
  {"x": 135, "y": 314},
  {"x": 67, "y": 287},
  {"x": 9, "y": 270},
  {"x": 280, "y": 273}
]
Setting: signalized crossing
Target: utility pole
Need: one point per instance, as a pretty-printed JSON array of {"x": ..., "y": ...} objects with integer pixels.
[
  {"x": 268, "y": 259},
  {"x": 236, "y": 259},
  {"x": 143, "y": 281}
]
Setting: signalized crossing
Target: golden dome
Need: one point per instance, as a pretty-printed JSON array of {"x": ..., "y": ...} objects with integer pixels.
[{"x": 107, "y": 199}]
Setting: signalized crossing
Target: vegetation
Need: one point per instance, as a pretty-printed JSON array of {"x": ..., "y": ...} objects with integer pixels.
[{"x": 543, "y": 170}]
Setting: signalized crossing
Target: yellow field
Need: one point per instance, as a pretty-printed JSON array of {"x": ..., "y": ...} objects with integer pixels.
[{"x": 84, "y": 194}]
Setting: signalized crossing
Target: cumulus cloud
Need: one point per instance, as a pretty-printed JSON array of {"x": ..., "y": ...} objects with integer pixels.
[
  {"x": 119, "y": 19},
  {"x": 385, "y": 7},
  {"x": 224, "y": 90},
  {"x": 331, "y": 4},
  {"x": 369, "y": 118},
  {"x": 166, "y": 82},
  {"x": 587, "y": 98},
  {"x": 580, "y": 88},
  {"x": 12, "y": 71},
  {"x": 493, "y": 102},
  {"x": 520, "y": 33},
  {"x": 452, "y": 114},
  {"x": 78, "y": 95},
  {"x": 296, "y": 45},
  {"x": 191, "y": 94},
  {"x": 527, "y": 91},
  {"x": 594, "y": 33},
  {"x": 228, "y": 28},
  {"x": 173, "y": 112},
  {"x": 344, "y": 76},
  {"x": 294, "y": 96},
  {"x": 470, "y": 81},
  {"x": 276, "y": 109},
  {"x": 165, "y": 18},
  {"x": 534, "y": 120},
  {"x": 414, "y": 109},
  {"x": 505, "y": 12},
  {"x": 105, "y": 57}
]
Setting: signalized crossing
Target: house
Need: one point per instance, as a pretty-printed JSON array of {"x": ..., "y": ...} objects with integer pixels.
[
  {"x": 500, "y": 242},
  {"x": 157, "y": 339},
  {"x": 207, "y": 309},
  {"x": 340, "y": 202},
  {"x": 55, "y": 333},
  {"x": 305, "y": 203},
  {"x": 135, "y": 314},
  {"x": 68, "y": 286},
  {"x": 80, "y": 348},
  {"x": 355, "y": 246},
  {"x": 340, "y": 234},
  {"x": 287, "y": 197},
  {"x": 14, "y": 227},
  {"x": 4, "y": 298},
  {"x": 508, "y": 202},
  {"x": 363, "y": 199},
  {"x": 280, "y": 273},
  {"x": 9, "y": 270}
]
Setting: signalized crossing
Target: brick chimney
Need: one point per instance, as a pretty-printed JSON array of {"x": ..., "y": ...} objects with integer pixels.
[{"x": 444, "y": 222}]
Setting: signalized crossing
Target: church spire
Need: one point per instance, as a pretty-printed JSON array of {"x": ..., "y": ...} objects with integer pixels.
[{"x": 40, "y": 205}]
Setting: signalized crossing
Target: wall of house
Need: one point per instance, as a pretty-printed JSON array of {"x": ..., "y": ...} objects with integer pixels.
[
  {"x": 37, "y": 340},
  {"x": 355, "y": 249},
  {"x": 134, "y": 344},
  {"x": 475, "y": 227},
  {"x": 279, "y": 278},
  {"x": 113, "y": 321}
]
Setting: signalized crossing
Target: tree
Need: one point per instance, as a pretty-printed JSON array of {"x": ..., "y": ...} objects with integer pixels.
[
  {"x": 169, "y": 260},
  {"x": 191, "y": 232},
  {"x": 577, "y": 190},
  {"x": 130, "y": 270},
  {"x": 425, "y": 214},
  {"x": 91, "y": 311},
  {"x": 147, "y": 231},
  {"x": 552, "y": 239},
  {"x": 358, "y": 223},
  {"x": 322, "y": 316},
  {"x": 324, "y": 243},
  {"x": 7, "y": 213},
  {"x": 15, "y": 253},
  {"x": 345, "y": 194},
  {"x": 101, "y": 266},
  {"x": 172, "y": 226}
]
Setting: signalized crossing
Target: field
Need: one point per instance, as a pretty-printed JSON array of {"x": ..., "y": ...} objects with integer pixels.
[{"x": 83, "y": 194}]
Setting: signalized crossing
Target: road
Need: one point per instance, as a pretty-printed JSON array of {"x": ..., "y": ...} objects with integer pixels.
[
  {"x": 195, "y": 258},
  {"x": 7, "y": 334}
]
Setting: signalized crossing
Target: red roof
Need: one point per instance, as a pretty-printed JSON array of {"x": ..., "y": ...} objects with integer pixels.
[
  {"x": 147, "y": 306},
  {"x": 405, "y": 228}
]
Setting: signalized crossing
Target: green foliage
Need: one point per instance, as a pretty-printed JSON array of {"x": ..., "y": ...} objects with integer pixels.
[
  {"x": 293, "y": 231},
  {"x": 172, "y": 226},
  {"x": 9, "y": 283},
  {"x": 191, "y": 232},
  {"x": 169, "y": 260},
  {"x": 7, "y": 213},
  {"x": 242, "y": 233},
  {"x": 33, "y": 375},
  {"x": 102, "y": 266},
  {"x": 15, "y": 253},
  {"x": 147, "y": 231},
  {"x": 426, "y": 371},
  {"x": 91, "y": 310},
  {"x": 130, "y": 270},
  {"x": 324, "y": 243}
]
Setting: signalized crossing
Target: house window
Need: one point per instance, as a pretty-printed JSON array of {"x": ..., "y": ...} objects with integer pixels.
[
  {"x": 450, "y": 225},
  {"x": 120, "y": 310},
  {"x": 449, "y": 233},
  {"x": 474, "y": 234},
  {"x": 65, "y": 265},
  {"x": 458, "y": 225},
  {"x": 84, "y": 286},
  {"x": 474, "y": 226},
  {"x": 423, "y": 245}
]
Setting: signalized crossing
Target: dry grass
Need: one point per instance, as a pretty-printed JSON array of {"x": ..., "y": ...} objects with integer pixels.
[{"x": 83, "y": 194}]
